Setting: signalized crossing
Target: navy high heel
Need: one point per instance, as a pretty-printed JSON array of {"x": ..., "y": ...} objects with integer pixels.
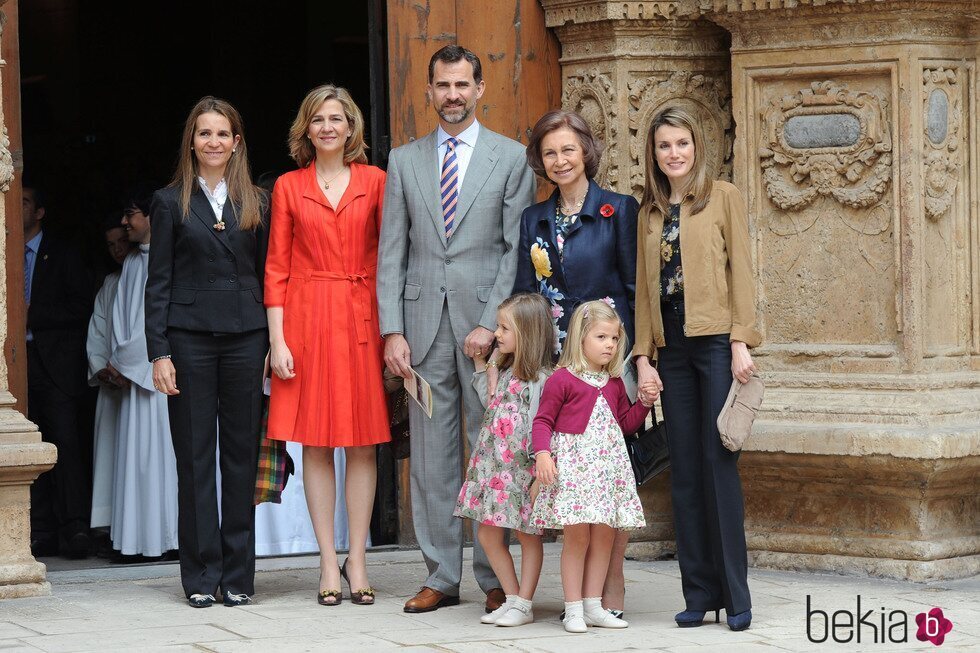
[
  {"x": 740, "y": 621},
  {"x": 693, "y": 618}
]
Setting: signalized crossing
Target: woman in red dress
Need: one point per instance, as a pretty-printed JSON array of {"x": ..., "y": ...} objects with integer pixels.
[{"x": 326, "y": 348}]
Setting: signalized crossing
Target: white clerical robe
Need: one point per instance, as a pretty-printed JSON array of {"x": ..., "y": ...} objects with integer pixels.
[
  {"x": 99, "y": 348},
  {"x": 144, "y": 502}
]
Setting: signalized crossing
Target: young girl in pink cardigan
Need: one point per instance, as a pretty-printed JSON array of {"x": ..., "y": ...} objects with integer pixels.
[{"x": 587, "y": 484}]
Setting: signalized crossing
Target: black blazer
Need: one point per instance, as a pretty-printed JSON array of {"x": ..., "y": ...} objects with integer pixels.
[
  {"x": 61, "y": 305},
  {"x": 201, "y": 279},
  {"x": 599, "y": 261}
]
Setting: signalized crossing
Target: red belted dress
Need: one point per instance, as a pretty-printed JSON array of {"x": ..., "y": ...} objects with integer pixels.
[{"x": 321, "y": 268}]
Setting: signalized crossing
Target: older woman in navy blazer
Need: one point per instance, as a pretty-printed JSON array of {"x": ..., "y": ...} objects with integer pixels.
[
  {"x": 580, "y": 243},
  {"x": 576, "y": 246}
]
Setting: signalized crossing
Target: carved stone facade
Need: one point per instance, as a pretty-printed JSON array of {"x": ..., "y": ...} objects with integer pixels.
[
  {"x": 942, "y": 142},
  {"x": 851, "y": 128},
  {"x": 22, "y": 454}
]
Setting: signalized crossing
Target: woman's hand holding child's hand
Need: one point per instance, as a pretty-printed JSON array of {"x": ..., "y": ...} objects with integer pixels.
[
  {"x": 648, "y": 394},
  {"x": 546, "y": 469}
]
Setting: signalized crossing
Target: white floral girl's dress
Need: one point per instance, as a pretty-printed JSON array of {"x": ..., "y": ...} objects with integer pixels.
[
  {"x": 595, "y": 482},
  {"x": 498, "y": 478}
]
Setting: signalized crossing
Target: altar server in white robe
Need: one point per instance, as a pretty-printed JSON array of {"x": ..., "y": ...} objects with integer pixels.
[
  {"x": 105, "y": 377},
  {"x": 144, "y": 502}
]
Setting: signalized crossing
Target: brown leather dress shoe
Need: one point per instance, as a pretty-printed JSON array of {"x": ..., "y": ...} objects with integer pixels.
[
  {"x": 495, "y": 599},
  {"x": 428, "y": 600}
]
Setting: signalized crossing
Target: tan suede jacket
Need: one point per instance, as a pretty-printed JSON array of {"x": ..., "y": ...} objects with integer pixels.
[{"x": 719, "y": 291}]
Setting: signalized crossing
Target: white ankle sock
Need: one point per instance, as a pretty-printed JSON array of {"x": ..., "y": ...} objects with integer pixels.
[
  {"x": 524, "y": 603},
  {"x": 574, "y": 621},
  {"x": 595, "y": 615},
  {"x": 519, "y": 614},
  {"x": 501, "y": 611}
]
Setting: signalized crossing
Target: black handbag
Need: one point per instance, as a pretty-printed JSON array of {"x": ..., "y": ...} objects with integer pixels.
[{"x": 648, "y": 452}]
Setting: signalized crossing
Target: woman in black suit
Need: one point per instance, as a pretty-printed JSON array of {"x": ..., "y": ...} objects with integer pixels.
[{"x": 207, "y": 338}]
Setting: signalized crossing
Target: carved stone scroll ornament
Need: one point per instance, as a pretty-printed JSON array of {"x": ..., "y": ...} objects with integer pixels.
[
  {"x": 707, "y": 97},
  {"x": 826, "y": 141},
  {"x": 941, "y": 139},
  {"x": 591, "y": 95},
  {"x": 6, "y": 162}
]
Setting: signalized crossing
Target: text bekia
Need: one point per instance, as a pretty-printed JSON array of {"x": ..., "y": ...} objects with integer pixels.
[{"x": 875, "y": 627}]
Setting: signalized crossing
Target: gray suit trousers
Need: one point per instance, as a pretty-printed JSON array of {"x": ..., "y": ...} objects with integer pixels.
[{"x": 437, "y": 463}]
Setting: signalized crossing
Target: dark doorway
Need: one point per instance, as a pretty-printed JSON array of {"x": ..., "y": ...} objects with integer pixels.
[{"x": 106, "y": 86}]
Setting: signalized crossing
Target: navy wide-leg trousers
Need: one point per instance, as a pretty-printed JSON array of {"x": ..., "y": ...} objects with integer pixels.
[{"x": 706, "y": 492}]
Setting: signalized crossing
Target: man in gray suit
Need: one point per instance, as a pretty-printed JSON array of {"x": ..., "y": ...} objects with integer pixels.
[{"x": 447, "y": 257}]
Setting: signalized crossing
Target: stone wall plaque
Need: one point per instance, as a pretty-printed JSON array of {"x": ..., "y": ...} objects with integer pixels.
[
  {"x": 941, "y": 138},
  {"x": 824, "y": 130},
  {"x": 937, "y": 117},
  {"x": 855, "y": 174}
]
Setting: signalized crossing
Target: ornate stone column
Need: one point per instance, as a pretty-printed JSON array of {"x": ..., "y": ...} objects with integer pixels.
[
  {"x": 22, "y": 454},
  {"x": 858, "y": 151},
  {"x": 621, "y": 62}
]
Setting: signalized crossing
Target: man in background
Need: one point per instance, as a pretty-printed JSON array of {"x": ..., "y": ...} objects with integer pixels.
[{"x": 58, "y": 295}]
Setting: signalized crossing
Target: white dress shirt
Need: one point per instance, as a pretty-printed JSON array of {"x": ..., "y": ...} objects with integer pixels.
[
  {"x": 464, "y": 148},
  {"x": 216, "y": 199}
]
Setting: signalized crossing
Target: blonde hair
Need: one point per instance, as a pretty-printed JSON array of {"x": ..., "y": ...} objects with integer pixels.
[
  {"x": 585, "y": 317},
  {"x": 530, "y": 317},
  {"x": 302, "y": 150},
  {"x": 699, "y": 184},
  {"x": 246, "y": 198}
]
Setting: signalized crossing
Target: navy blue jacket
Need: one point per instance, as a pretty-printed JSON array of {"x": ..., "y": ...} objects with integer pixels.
[{"x": 599, "y": 260}]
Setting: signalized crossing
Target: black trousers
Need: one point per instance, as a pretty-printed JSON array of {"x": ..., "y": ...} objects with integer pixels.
[
  {"x": 220, "y": 382},
  {"x": 60, "y": 498},
  {"x": 706, "y": 492}
]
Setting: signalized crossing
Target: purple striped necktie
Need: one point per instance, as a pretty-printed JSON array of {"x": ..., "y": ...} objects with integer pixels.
[{"x": 449, "y": 185}]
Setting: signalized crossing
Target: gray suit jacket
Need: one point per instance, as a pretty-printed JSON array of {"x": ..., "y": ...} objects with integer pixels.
[{"x": 419, "y": 270}]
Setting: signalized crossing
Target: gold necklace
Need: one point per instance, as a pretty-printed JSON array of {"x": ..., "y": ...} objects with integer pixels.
[
  {"x": 326, "y": 182},
  {"x": 568, "y": 209}
]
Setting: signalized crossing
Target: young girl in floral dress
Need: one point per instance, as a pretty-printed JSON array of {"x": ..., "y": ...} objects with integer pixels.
[
  {"x": 587, "y": 484},
  {"x": 496, "y": 493}
]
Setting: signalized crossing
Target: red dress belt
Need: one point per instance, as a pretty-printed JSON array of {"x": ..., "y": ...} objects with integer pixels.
[{"x": 359, "y": 299}]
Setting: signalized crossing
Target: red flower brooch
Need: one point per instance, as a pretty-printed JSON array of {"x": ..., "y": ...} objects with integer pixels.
[{"x": 606, "y": 210}]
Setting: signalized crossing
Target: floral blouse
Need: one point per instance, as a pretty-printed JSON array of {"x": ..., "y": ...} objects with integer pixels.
[
  {"x": 562, "y": 224},
  {"x": 671, "y": 274}
]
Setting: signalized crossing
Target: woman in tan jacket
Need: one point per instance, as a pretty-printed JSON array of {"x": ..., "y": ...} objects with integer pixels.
[{"x": 694, "y": 325}]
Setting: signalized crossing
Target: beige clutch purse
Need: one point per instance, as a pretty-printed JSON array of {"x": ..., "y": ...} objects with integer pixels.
[{"x": 735, "y": 419}]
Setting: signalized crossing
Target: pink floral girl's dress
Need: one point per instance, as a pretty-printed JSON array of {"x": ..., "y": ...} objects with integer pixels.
[
  {"x": 498, "y": 479},
  {"x": 595, "y": 483}
]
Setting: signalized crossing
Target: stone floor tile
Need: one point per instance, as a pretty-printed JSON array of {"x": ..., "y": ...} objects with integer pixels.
[
  {"x": 13, "y": 631},
  {"x": 42, "y": 608},
  {"x": 339, "y": 621},
  {"x": 179, "y": 615},
  {"x": 294, "y": 644},
  {"x": 756, "y": 646},
  {"x": 128, "y": 639},
  {"x": 17, "y": 646}
]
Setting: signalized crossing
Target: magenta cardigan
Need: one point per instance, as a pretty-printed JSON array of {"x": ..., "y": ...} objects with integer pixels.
[{"x": 567, "y": 402}]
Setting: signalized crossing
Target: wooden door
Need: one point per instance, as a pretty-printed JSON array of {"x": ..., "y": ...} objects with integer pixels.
[{"x": 519, "y": 56}]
